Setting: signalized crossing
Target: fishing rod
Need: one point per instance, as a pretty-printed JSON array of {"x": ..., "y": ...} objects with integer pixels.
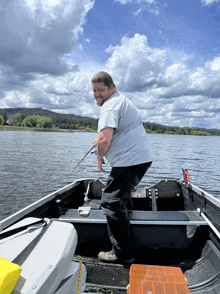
[{"x": 82, "y": 158}]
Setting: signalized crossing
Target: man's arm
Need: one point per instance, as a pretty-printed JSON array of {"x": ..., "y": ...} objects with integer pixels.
[{"x": 102, "y": 145}]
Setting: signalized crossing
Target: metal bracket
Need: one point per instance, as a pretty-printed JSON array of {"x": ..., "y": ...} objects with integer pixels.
[
  {"x": 203, "y": 203},
  {"x": 153, "y": 193}
]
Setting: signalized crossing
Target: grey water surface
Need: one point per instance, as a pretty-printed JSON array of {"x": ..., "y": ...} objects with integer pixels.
[{"x": 34, "y": 164}]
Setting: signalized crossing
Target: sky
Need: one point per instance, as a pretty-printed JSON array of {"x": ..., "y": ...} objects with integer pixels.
[{"x": 164, "y": 55}]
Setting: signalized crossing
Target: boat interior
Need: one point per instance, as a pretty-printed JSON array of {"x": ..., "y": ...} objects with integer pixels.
[{"x": 167, "y": 223}]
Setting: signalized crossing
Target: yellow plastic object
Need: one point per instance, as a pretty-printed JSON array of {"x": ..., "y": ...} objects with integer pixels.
[{"x": 9, "y": 274}]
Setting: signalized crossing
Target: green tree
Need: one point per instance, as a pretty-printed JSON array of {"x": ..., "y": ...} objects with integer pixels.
[
  {"x": 198, "y": 133},
  {"x": 44, "y": 122},
  {"x": 2, "y": 120},
  {"x": 18, "y": 119},
  {"x": 11, "y": 120},
  {"x": 30, "y": 121},
  {"x": 3, "y": 113}
]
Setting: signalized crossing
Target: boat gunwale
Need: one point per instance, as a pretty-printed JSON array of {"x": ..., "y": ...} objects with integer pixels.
[
  {"x": 201, "y": 192},
  {"x": 206, "y": 195},
  {"x": 28, "y": 209}
]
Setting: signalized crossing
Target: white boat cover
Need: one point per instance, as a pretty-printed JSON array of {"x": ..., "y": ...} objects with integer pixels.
[
  {"x": 45, "y": 254},
  {"x": 75, "y": 277}
]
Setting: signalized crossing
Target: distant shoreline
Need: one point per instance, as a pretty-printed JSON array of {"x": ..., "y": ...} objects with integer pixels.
[{"x": 25, "y": 129}]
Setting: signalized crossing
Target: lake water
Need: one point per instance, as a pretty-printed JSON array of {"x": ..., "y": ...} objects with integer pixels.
[{"x": 34, "y": 164}]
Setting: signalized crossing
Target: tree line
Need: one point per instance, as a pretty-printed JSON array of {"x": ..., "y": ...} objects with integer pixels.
[
  {"x": 27, "y": 117},
  {"x": 163, "y": 129},
  {"x": 43, "y": 118}
]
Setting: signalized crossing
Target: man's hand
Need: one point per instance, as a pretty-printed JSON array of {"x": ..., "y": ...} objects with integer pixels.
[
  {"x": 102, "y": 145},
  {"x": 95, "y": 143}
]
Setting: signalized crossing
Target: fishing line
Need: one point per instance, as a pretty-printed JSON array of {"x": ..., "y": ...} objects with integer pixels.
[{"x": 82, "y": 159}]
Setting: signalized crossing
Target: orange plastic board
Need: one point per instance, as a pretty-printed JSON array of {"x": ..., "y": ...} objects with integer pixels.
[{"x": 157, "y": 280}]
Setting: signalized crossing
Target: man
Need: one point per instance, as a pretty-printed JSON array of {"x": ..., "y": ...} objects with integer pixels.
[{"x": 123, "y": 141}]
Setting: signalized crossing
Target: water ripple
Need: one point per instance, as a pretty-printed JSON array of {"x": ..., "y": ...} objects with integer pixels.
[{"x": 35, "y": 164}]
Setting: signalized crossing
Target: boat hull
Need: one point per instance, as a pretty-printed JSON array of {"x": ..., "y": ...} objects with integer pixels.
[{"x": 174, "y": 223}]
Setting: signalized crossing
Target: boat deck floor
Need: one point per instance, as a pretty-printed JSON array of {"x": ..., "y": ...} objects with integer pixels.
[
  {"x": 105, "y": 277},
  {"x": 113, "y": 278},
  {"x": 200, "y": 265}
]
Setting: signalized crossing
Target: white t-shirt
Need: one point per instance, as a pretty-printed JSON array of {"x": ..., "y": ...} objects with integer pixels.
[{"x": 129, "y": 145}]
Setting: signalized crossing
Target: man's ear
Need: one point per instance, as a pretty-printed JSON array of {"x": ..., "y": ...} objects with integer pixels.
[{"x": 111, "y": 87}]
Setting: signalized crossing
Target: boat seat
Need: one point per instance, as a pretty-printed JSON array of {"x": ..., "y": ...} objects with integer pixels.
[
  {"x": 139, "y": 217},
  {"x": 93, "y": 203}
]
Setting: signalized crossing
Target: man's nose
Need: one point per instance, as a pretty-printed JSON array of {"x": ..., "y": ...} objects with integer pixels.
[{"x": 96, "y": 94}]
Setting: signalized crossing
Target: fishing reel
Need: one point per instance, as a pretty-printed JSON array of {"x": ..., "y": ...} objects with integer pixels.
[{"x": 95, "y": 152}]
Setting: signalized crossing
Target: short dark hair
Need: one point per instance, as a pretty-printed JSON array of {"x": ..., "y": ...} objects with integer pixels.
[{"x": 103, "y": 77}]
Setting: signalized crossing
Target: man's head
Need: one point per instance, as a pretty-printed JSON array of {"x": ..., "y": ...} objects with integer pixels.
[
  {"x": 103, "y": 77},
  {"x": 103, "y": 87}
]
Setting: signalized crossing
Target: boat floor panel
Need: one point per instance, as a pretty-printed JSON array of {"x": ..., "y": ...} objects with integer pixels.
[{"x": 105, "y": 277}]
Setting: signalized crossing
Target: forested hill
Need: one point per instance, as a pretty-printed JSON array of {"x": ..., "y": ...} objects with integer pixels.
[
  {"x": 29, "y": 111},
  {"x": 72, "y": 121},
  {"x": 63, "y": 121}
]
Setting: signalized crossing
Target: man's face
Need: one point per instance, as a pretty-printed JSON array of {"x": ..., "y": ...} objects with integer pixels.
[{"x": 101, "y": 92}]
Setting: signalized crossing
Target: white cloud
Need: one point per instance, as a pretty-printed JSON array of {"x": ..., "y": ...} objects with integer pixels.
[
  {"x": 80, "y": 46},
  {"x": 135, "y": 1},
  {"x": 135, "y": 64},
  {"x": 205, "y": 81},
  {"x": 35, "y": 35},
  {"x": 165, "y": 93},
  {"x": 123, "y": 1},
  {"x": 138, "y": 12},
  {"x": 215, "y": 64},
  {"x": 154, "y": 11},
  {"x": 15, "y": 99},
  {"x": 172, "y": 95},
  {"x": 209, "y": 2}
]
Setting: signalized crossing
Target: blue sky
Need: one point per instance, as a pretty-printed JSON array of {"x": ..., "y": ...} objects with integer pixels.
[
  {"x": 164, "y": 55},
  {"x": 187, "y": 27}
]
